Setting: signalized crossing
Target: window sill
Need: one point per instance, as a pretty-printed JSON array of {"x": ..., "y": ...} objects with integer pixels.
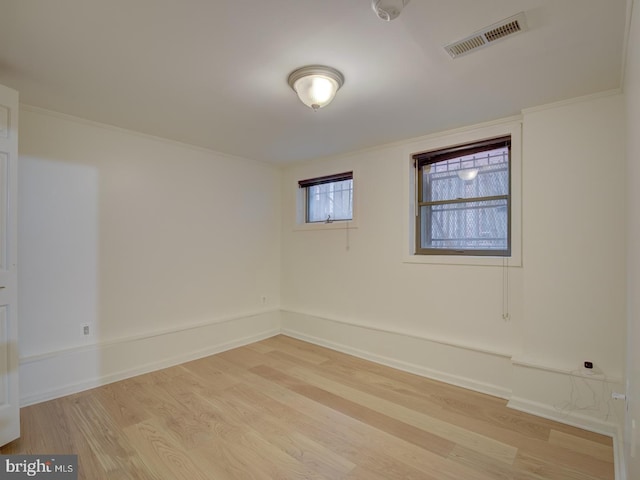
[
  {"x": 463, "y": 260},
  {"x": 320, "y": 226}
]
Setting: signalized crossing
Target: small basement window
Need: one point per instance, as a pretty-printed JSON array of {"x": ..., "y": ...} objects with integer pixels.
[
  {"x": 329, "y": 198},
  {"x": 464, "y": 199}
]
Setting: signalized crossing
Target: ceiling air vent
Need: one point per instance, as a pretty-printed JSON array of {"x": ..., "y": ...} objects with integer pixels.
[{"x": 486, "y": 36}]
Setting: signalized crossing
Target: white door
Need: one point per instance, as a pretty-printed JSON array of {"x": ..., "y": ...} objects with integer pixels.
[{"x": 9, "y": 395}]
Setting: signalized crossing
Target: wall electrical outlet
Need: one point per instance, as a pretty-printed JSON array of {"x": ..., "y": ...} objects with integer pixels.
[
  {"x": 86, "y": 331},
  {"x": 589, "y": 368}
]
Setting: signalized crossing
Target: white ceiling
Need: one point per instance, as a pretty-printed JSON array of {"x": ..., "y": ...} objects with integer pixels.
[{"x": 213, "y": 73}]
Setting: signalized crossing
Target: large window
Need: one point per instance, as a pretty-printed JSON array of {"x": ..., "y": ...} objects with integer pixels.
[
  {"x": 464, "y": 199},
  {"x": 328, "y": 198}
]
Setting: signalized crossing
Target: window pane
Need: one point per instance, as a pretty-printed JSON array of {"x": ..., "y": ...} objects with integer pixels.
[
  {"x": 484, "y": 174},
  {"x": 465, "y": 226},
  {"x": 333, "y": 201}
]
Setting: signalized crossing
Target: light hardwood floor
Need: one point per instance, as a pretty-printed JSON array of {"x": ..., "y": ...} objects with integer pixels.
[{"x": 286, "y": 409}]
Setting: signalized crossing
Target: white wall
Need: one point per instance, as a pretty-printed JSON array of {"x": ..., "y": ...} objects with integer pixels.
[
  {"x": 632, "y": 94},
  {"x": 566, "y": 301},
  {"x": 139, "y": 238},
  {"x": 369, "y": 283},
  {"x": 574, "y": 255},
  {"x": 574, "y": 243}
]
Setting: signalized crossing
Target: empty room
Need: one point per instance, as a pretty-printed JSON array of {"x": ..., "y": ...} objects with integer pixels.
[{"x": 320, "y": 239}]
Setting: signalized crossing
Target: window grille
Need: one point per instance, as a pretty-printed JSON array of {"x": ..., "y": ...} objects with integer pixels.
[{"x": 464, "y": 200}]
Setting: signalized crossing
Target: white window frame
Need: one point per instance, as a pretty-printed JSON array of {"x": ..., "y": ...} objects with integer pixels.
[{"x": 512, "y": 127}]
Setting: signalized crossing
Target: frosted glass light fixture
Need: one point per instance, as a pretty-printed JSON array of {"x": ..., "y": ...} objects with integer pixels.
[
  {"x": 468, "y": 175},
  {"x": 316, "y": 85},
  {"x": 388, "y": 10}
]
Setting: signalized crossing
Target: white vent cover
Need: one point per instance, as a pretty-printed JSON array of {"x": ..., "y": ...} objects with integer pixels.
[{"x": 487, "y": 36}]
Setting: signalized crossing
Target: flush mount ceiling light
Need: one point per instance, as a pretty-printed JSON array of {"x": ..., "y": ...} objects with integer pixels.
[
  {"x": 316, "y": 85},
  {"x": 387, "y": 10}
]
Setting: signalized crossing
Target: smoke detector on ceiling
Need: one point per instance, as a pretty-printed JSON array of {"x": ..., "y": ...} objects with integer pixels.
[
  {"x": 387, "y": 10},
  {"x": 488, "y": 35}
]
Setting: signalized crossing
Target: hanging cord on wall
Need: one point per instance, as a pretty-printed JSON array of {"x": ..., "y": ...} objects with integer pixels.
[
  {"x": 330, "y": 220},
  {"x": 347, "y": 229},
  {"x": 584, "y": 396},
  {"x": 506, "y": 315}
]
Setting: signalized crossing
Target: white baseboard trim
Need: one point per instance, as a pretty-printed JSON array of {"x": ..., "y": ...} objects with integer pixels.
[
  {"x": 407, "y": 334},
  {"x": 421, "y": 370},
  {"x": 574, "y": 372},
  {"x": 79, "y": 369},
  {"x": 143, "y": 336},
  {"x": 56, "y": 374},
  {"x": 468, "y": 367},
  {"x": 618, "y": 455},
  {"x": 529, "y": 387},
  {"x": 584, "y": 422},
  {"x": 573, "y": 419}
]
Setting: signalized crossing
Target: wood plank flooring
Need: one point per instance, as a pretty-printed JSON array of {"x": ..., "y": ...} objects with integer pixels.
[{"x": 286, "y": 409}]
